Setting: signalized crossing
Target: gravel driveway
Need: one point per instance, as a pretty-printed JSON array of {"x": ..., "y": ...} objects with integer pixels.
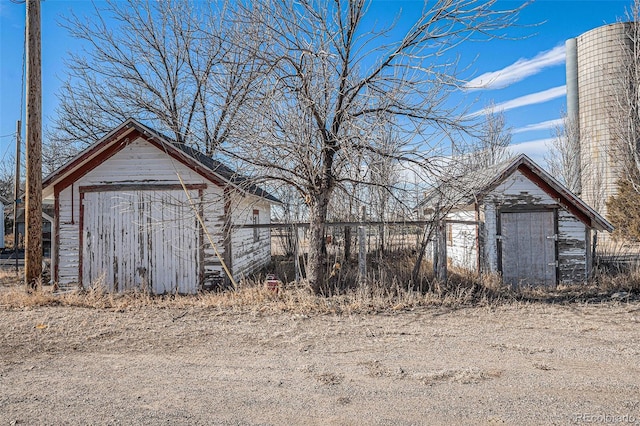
[{"x": 512, "y": 364}]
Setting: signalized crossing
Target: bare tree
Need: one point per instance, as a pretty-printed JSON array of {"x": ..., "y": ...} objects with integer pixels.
[
  {"x": 55, "y": 154},
  {"x": 492, "y": 142},
  {"x": 173, "y": 64},
  {"x": 624, "y": 128},
  {"x": 336, "y": 78},
  {"x": 623, "y": 210},
  {"x": 625, "y": 114},
  {"x": 563, "y": 155},
  {"x": 7, "y": 177}
]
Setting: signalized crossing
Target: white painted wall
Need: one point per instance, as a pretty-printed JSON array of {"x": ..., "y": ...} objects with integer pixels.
[
  {"x": 573, "y": 251},
  {"x": 249, "y": 254},
  {"x": 461, "y": 240},
  {"x": 138, "y": 163},
  {"x": 142, "y": 163},
  {"x": 517, "y": 191}
]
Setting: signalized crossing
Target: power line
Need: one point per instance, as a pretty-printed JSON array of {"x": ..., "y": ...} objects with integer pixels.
[
  {"x": 4, "y": 156},
  {"x": 24, "y": 60}
]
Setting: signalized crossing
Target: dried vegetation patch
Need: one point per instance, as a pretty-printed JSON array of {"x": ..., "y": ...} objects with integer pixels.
[{"x": 341, "y": 296}]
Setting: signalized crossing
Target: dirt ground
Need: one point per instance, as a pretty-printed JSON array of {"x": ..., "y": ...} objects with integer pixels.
[{"x": 512, "y": 364}]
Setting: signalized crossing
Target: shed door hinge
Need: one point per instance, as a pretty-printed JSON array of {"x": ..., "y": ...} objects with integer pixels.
[
  {"x": 553, "y": 237},
  {"x": 553, "y": 264}
]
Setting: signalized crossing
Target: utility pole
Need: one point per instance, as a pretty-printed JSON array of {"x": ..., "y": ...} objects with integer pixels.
[
  {"x": 33, "y": 203},
  {"x": 16, "y": 193}
]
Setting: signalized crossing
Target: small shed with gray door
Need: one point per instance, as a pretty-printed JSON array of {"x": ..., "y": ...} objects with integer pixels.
[
  {"x": 515, "y": 219},
  {"x": 136, "y": 210}
]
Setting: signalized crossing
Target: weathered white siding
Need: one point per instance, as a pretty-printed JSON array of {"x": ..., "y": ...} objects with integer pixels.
[
  {"x": 516, "y": 193},
  {"x": 157, "y": 241},
  {"x": 250, "y": 247},
  {"x": 462, "y": 240},
  {"x": 213, "y": 239},
  {"x": 143, "y": 164},
  {"x": 572, "y": 249},
  {"x": 69, "y": 238}
]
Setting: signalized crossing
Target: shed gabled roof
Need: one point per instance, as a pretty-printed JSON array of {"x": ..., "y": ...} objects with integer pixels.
[
  {"x": 472, "y": 187},
  {"x": 131, "y": 129}
]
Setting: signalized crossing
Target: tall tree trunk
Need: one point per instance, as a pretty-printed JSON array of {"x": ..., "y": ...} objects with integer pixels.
[
  {"x": 426, "y": 236},
  {"x": 317, "y": 257}
]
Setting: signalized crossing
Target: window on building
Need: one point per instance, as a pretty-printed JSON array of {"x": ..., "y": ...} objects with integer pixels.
[{"x": 256, "y": 221}]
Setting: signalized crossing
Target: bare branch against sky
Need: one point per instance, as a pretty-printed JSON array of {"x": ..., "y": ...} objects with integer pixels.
[{"x": 335, "y": 80}]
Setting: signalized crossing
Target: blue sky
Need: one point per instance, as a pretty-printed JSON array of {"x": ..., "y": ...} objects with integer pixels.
[{"x": 524, "y": 76}]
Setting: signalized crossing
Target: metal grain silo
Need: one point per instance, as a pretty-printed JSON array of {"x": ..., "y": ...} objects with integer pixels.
[{"x": 595, "y": 76}]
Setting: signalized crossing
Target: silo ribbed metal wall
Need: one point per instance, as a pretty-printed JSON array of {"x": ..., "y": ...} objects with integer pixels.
[
  {"x": 573, "y": 109},
  {"x": 600, "y": 59}
]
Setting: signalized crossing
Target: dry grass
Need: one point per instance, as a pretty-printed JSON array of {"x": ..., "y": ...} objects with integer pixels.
[
  {"x": 250, "y": 298},
  {"x": 8, "y": 277},
  {"x": 387, "y": 289},
  {"x": 253, "y": 297}
]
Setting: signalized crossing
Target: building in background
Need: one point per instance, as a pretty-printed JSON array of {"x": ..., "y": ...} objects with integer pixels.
[
  {"x": 595, "y": 77},
  {"x": 47, "y": 221}
]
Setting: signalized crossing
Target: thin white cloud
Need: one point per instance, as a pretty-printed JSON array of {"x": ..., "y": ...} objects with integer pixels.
[
  {"x": 531, "y": 99},
  {"x": 535, "y": 149},
  {"x": 518, "y": 71},
  {"x": 544, "y": 125}
]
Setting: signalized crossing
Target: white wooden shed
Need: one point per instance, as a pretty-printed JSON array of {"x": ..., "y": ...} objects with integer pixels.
[
  {"x": 126, "y": 216},
  {"x": 517, "y": 220}
]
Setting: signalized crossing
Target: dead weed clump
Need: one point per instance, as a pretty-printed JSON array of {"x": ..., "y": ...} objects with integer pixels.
[
  {"x": 621, "y": 282},
  {"x": 602, "y": 287},
  {"x": 252, "y": 296},
  {"x": 388, "y": 287},
  {"x": 18, "y": 297}
]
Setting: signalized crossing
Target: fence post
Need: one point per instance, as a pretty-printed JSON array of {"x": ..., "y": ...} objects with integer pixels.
[
  {"x": 296, "y": 246},
  {"x": 440, "y": 252},
  {"x": 362, "y": 247},
  {"x": 296, "y": 253}
]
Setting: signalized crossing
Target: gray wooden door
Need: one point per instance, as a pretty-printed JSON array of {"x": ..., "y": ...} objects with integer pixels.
[
  {"x": 528, "y": 248},
  {"x": 140, "y": 240}
]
